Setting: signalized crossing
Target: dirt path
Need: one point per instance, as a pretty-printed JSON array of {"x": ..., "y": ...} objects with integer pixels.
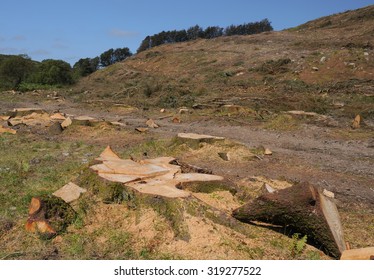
[{"x": 310, "y": 154}]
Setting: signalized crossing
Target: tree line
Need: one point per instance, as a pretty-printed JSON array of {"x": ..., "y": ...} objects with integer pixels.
[
  {"x": 20, "y": 72},
  {"x": 195, "y": 32}
]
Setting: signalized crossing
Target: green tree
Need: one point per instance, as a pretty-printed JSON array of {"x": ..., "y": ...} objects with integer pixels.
[
  {"x": 53, "y": 72},
  {"x": 85, "y": 66},
  {"x": 14, "y": 70}
]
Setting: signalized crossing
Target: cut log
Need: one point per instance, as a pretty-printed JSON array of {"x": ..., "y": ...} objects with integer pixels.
[
  {"x": 358, "y": 254},
  {"x": 302, "y": 208},
  {"x": 7, "y": 130},
  {"x": 20, "y": 112},
  {"x": 67, "y": 122},
  {"x": 151, "y": 123},
  {"x": 156, "y": 176},
  {"x": 193, "y": 140},
  {"x": 57, "y": 117},
  {"x": 49, "y": 216},
  {"x": 356, "y": 122},
  {"x": 84, "y": 120}
]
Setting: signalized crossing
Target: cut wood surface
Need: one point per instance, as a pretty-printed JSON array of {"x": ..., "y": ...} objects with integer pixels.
[
  {"x": 49, "y": 215},
  {"x": 152, "y": 176},
  {"x": 304, "y": 209},
  {"x": 358, "y": 254},
  {"x": 69, "y": 192}
]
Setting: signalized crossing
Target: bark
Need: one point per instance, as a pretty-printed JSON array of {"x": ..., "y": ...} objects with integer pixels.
[
  {"x": 49, "y": 216},
  {"x": 302, "y": 208}
]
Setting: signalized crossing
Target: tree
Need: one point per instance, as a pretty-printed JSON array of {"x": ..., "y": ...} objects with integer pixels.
[
  {"x": 106, "y": 58},
  {"x": 112, "y": 56},
  {"x": 213, "y": 32},
  {"x": 14, "y": 70},
  {"x": 194, "y": 32},
  {"x": 85, "y": 66},
  {"x": 53, "y": 72}
]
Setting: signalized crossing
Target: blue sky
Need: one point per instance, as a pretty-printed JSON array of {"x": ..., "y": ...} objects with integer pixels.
[{"x": 74, "y": 29}]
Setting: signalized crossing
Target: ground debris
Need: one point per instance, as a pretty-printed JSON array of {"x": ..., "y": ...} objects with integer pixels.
[
  {"x": 70, "y": 192},
  {"x": 156, "y": 176}
]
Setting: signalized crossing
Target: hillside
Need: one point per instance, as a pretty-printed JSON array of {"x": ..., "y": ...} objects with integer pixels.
[
  {"x": 274, "y": 110},
  {"x": 324, "y": 59}
]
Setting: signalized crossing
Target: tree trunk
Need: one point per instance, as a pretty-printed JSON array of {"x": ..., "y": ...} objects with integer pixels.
[
  {"x": 49, "y": 216},
  {"x": 304, "y": 209}
]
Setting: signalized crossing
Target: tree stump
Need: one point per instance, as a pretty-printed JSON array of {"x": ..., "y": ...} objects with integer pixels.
[
  {"x": 302, "y": 208},
  {"x": 49, "y": 216}
]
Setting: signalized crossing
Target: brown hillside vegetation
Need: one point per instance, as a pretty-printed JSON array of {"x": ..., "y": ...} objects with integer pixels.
[
  {"x": 323, "y": 59},
  {"x": 263, "y": 113}
]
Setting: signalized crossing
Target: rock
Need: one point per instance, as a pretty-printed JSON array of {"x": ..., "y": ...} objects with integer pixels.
[
  {"x": 268, "y": 152},
  {"x": 225, "y": 156},
  {"x": 162, "y": 110},
  {"x": 323, "y": 59},
  {"x": 70, "y": 192},
  {"x": 49, "y": 216},
  {"x": 57, "y": 117},
  {"x": 366, "y": 54},
  {"x": 66, "y": 123},
  {"x": 151, "y": 123},
  {"x": 315, "y": 68},
  {"x": 358, "y": 254},
  {"x": 141, "y": 129},
  {"x": 7, "y": 130},
  {"x": 304, "y": 209},
  {"x": 356, "y": 122}
]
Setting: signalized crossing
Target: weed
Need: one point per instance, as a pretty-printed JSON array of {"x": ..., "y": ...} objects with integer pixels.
[{"x": 298, "y": 245}]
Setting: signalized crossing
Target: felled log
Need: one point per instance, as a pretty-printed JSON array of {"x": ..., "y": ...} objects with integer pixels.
[
  {"x": 49, "y": 216},
  {"x": 302, "y": 208},
  {"x": 358, "y": 254}
]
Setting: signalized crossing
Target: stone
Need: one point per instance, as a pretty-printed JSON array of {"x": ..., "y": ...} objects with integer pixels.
[
  {"x": 66, "y": 123},
  {"x": 151, "y": 123},
  {"x": 328, "y": 193},
  {"x": 323, "y": 59},
  {"x": 315, "y": 68},
  {"x": 70, "y": 192},
  {"x": 162, "y": 110}
]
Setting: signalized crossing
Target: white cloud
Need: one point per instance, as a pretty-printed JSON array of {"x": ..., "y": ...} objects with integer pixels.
[{"x": 122, "y": 33}]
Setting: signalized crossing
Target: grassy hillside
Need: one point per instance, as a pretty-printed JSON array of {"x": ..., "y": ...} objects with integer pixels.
[{"x": 311, "y": 67}]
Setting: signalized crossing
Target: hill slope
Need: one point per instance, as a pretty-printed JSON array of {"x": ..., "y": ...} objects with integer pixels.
[{"x": 324, "y": 59}]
